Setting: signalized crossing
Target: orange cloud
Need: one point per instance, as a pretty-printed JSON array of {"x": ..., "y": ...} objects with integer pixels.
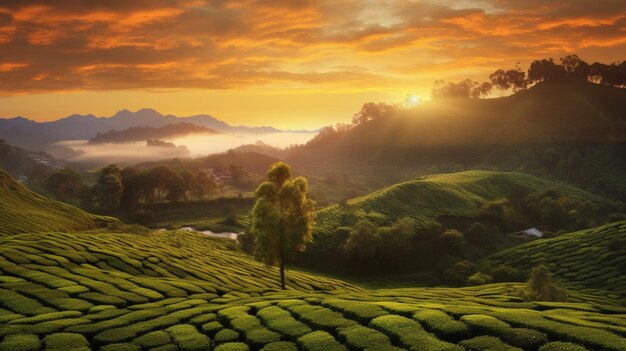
[{"x": 75, "y": 45}]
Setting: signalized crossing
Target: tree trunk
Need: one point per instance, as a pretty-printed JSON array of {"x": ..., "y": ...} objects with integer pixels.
[{"x": 282, "y": 273}]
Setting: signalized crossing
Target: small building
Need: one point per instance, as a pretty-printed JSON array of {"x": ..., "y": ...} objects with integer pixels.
[{"x": 529, "y": 233}]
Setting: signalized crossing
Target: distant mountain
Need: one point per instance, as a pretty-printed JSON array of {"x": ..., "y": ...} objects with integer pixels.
[
  {"x": 148, "y": 133},
  {"x": 27, "y": 133}
]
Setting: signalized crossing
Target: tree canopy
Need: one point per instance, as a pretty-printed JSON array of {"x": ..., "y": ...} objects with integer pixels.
[{"x": 282, "y": 217}]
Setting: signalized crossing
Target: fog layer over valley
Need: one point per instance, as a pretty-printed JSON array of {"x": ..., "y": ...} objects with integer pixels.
[{"x": 193, "y": 145}]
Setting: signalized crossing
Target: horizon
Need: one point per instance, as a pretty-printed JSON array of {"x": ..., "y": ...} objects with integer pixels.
[{"x": 288, "y": 65}]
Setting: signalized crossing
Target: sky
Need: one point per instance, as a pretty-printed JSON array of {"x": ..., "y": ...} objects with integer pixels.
[{"x": 289, "y": 64}]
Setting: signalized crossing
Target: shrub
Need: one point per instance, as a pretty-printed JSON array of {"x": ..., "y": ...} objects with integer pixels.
[
  {"x": 458, "y": 274},
  {"x": 121, "y": 347},
  {"x": 114, "y": 335},
  {"x": 541, "y": 287},
  {"x": 362, "y": 312},
  {"x": 211, "y": 328},
  {"x": 505, "y": 273},
  {"x": 65, "y": 342},
  {"x": 226, "y": 335},
  {"x": 188, "y": 338},
  {"x": 279, "y": 320},
  {"x": 360, "y": 337},
  {"x": 561, "y": 346},
  {"x": 319, "y": 341},
  {"x": 325, "y": 319},
  {"x": 153, "y": 339},
  {"x": 280, "y": 346},
  {"x": 259, "y": 336},
  {"x": 232, "y": 346},
  {"x": 487, "y": 343},
  {"x": 479, "y": 278},
  {"x": 442, "y": 325},
  {"x": 20, "y": 342},
  {"x": 409, "y": 334}
]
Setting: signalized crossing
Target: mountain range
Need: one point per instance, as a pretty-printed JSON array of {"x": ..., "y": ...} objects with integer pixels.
[{"x": 27, "y": 133}]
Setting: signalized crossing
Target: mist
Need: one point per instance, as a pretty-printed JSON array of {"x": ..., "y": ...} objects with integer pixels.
[{"x": 194, "y": 145}]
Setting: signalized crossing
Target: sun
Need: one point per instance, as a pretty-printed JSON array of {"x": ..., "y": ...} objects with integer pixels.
[{"x": 412, "y": 101}]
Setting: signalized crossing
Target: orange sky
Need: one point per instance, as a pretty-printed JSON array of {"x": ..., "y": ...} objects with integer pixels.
[{"x": 290, "y": 64}]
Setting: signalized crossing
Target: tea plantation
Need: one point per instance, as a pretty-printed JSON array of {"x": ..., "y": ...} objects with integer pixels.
[
  {"x": 22, "y": 210},
  {"x": 592, "y": 260},
  {"x": 459, "y": 195},
  {"x": 168, "y": 290},
  {"x": 184, "y": 291}
]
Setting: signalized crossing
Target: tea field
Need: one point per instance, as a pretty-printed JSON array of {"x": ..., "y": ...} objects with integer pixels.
[
  {"x": 184, "y": 291},
  {"x": 64, "y": 289},
  {"x": 460, "y": 195},
  {"x": 592, "y": 260},
  {"x": 22, "y": 210}
]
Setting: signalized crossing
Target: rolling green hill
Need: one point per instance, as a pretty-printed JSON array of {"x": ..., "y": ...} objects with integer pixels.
[
  {"x": 592, "y": 259},
  {"x": 459, "y": 195},
  {"x": 23, "y": 211},
  {"x": 184, "y": 291}
]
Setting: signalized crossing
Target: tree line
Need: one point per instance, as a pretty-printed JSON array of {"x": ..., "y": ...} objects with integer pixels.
[
  {"x": 516, "y": 79},
  {"x": 125, "y": 188}
]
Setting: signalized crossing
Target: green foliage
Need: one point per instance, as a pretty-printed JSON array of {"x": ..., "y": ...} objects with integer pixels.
[
  {"x": 319, "y": 341},
  {"x": 280, "y": 346},
  {"x": 581, "y": 259},
  {"x": 561, "y": 346},
  {"x": 23, "y": 211},
  {"x": 66, "y": 342},
  {"x": 282, "y": 218},
  {"x": 541, "y": 286},
  {"x": 115, "y": 291},
  {"x": 20, "y": 342},
  {"x": 226, "y": 335},
  {"x": 487, "y": 343},
  {"x": 360, "y": 337},
  {"x": 479, "y": 278},
  {"x": 409, "y": 334},
  {"x": 232, "y": 346},
  {"x": 188, "y": 338},
  {"x": 459, "y": 273},
  {"x": 444, "y": 326}
]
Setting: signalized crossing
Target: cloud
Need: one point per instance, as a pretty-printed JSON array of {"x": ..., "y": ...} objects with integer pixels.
[{"x": 73, "y": 45}]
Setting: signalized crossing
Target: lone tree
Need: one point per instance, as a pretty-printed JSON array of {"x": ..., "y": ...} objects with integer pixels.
[{"x": 282, "y": 217}]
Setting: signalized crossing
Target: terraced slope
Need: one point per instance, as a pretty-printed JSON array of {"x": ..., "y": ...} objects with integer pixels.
[
  {"x": 184, "y": 291},
  {"x": 458, "y": 195},
  {"x": 23, "y": 211},
  {"x": 592, "y": 259}
]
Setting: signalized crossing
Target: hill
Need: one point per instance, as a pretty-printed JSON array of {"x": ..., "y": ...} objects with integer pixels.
[
  {"x": 569, "y": 130},
  {"x": 23, "y": 211},
  {"x": 459, "y": 195},
  {"x": 553, "y": 111},
  {"x": 171, "y": 290},
  {"x": 148, "y": 133},
  {"x": 589, "y": 260},
  {"x": 184, "y": 291},
  {"x": 422, "y": 228},
  {"x": 27, "y": 133}
]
